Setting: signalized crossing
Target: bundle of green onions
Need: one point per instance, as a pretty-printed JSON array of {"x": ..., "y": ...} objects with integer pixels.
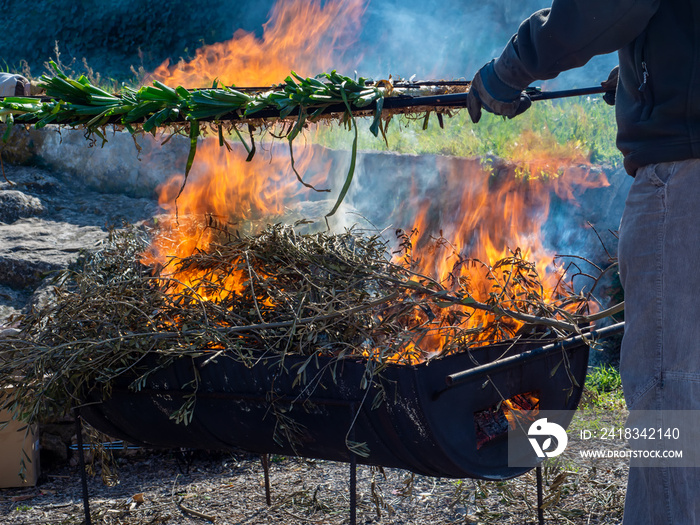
[{"x": 78, "y": 103}]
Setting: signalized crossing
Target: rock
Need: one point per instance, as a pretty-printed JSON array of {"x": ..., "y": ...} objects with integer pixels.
[
  {"x": 29, "y": 179},
  {"x": 39, "y": 247},
  {"x": 17, "y": 205},
  {"x": 9, "y": 332},
  {"x": 118, "y": 166},
  {"x": 43, "y": 296},
  {"x": 11, "y": 304},
  {"x": 19, "y": 147},
  {"x": 72, "y": 219}
]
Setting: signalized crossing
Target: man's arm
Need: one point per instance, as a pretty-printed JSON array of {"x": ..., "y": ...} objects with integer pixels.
[{"x": 568, "y": 35}]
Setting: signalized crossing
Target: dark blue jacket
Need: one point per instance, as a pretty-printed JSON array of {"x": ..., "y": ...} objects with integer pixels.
[{"x": 658, "y": 43}]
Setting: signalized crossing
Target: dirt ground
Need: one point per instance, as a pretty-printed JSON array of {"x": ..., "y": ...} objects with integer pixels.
[{"x": 180, "y": 487}]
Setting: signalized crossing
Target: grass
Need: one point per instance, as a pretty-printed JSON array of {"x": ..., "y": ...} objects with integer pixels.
[
  {"x": 603, "y": 389},
  {"x": 582, "y": 128},
  {"x": 604, "y": 379}
]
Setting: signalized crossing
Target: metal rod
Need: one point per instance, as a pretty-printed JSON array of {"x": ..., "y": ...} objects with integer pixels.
[
  {"x": 406, "y": 102},
  {"x": 540, "y": 496},
  {"x": 456, "y": 98},
  {"x": 450, "y": 100},
  {"x": 535, "y": 93},
  {"x": 265, "y": 458},
  {"x": 81, "y": 462},
  {"x": 405, "y": 84},
  {"x": 460, "y": 99},
  {"x": 508, "y": 362},
  {"x": 549, "y": 95},
  {"x": 353, "y": 489}
]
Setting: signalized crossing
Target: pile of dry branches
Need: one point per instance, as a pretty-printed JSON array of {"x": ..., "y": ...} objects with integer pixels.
[{"x": 278, "y": 291}]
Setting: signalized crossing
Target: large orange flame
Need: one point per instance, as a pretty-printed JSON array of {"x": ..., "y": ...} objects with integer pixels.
[
  {"x": 301, "y": 35},
  {"x": 222, "y": 187},
  {"x": 484, "y": 215}
]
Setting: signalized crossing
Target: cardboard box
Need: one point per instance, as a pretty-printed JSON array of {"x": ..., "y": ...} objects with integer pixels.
[{"x": 19, "y": 453}]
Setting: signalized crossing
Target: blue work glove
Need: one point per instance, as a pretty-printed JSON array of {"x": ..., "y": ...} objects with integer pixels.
[{"x": 487, "y": 91}]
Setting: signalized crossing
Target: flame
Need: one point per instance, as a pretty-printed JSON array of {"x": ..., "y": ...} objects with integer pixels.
[
  {"x": 222, "y": 187},
  {"x": 497, "y": 420},
  {"x": 306, "y": 36},
  {"x": 301, "y": 35},
  {"x": 487, "y": 217},
  {"x": 481, "y": 216}
]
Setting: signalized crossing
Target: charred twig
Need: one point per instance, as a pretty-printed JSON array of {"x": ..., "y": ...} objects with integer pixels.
[{"x": 504, "y": 312}]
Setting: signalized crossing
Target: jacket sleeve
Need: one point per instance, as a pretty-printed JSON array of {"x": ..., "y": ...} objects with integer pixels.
[{"x": 569, "y": 34}]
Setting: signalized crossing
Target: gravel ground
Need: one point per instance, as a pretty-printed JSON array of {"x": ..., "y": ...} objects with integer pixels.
[{"x": 196, "y": 488}]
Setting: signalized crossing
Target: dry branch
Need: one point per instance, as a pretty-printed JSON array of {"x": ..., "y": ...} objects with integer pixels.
[{"x": 276, "y": 292}]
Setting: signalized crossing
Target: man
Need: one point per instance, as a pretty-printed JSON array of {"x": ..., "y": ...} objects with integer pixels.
[
  {"x": 14, "y": 85},
  {"x": 658, "y": 118}
]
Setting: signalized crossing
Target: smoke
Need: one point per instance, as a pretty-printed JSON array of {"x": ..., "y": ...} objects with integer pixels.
[
  {"x": 444, "y": 40},
  {"x": 398, "y": 37},
  {"x": 451, "y": 40},
  {"x": 432, "y": 39}
]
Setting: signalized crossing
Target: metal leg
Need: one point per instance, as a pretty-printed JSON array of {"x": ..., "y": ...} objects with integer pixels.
[
  {"x": 265, "y": 458},
  {"x": 353, "y": 468},
  {"x": 540, "y": 498},
  {"x": 353, "y": 489},
  {"x": 81, "y": 462}
]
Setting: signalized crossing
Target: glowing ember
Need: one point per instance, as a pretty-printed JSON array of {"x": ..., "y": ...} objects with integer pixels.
[{"x": 496, "y": 421}]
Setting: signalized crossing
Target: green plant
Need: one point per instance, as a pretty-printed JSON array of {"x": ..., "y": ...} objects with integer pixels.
[
  {"x": 603, "y": 388},
  {"x": 581, "y": 128},
  {"x": 604, "y": 379},
  {"x": 81, "y": 103}
]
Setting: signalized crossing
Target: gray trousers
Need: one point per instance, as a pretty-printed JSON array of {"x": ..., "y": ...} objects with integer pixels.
[{"x": 659, "y": 255}]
